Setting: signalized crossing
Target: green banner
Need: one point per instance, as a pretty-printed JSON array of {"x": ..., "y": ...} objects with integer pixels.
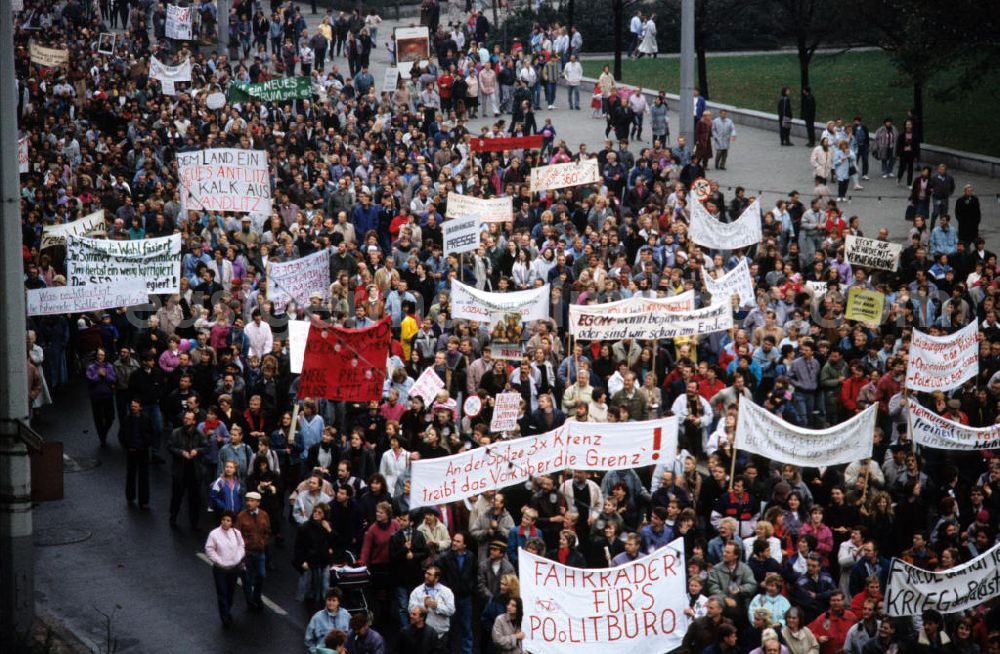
[{"x": 282, "y": 88}]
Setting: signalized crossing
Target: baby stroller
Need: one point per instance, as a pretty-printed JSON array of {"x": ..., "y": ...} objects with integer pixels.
[{"x": 353, "y": 581}]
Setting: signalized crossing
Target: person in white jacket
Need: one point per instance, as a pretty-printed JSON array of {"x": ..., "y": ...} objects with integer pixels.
[
  {"x": 259, "y": 334},
  {"x": 436, "y": 598},
  {"x": 573, "y": 74},
  {"x": 226, "y": 550}
]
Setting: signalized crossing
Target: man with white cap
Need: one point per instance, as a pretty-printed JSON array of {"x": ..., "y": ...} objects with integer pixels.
[{"x": 255, "y": 526}]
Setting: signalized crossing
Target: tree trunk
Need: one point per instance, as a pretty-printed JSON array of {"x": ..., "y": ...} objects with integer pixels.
[
  {"x": 804, "y": 58},
  {"x": 618, "y": 15},
  {"x": 918, "y": 110},
  {"x": 570, "y": 13},
  {"x": 699, "y": 47}
]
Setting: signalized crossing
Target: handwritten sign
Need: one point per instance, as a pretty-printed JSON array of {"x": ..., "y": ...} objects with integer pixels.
[
  {"x": 156, "y": 261},
  {"x": 178, "y": 23},
  {"x": 911, "y": 591},
  {"x": 864, "y": 305},
  {"x": 931, "y": 430},
  {"x": 872, "y": 253},
  {"x": 48, "y": 57},
  {"x": 505, "y": 412},
  {"x": 427, "y": 386},
  {"x": 298, "y": 279},
  {"x": 63, "y": 300},
  {"x": 576, "y": 173},
  {"x": 92, "y": 225},
  {"x": 488, "y": 210},
  {"x": 737, "y": 281},
  {"x": 225, "y": 179},
  {"x": 940, "y": 363},
  {"x": 345, "y": 364},
  {"x": 390, "y": 80}
]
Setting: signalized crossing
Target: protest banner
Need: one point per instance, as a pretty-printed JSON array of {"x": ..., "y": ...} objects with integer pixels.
[
  {"x": 587, "y": 445},
  {"x": 581, "y": 314},
  {"x": 931, "y": 430},
  {"x": 469, "y": 303},
  {"x": 64, "y": 300},
  {"x": 298, "y": 332},
  {"x": 639, "y": 604},
  {"x": 506, "y": 351},
  {"x": 390, "y": 80},
  {"x": 818, "y": 288},
  {"x": 48, "y": 57},
  {"x": 736, "y": 281},
  {"x": 427, "y": 386},
  {"x": 910, "y": 590},
  {"x": 872, "y": 253},
  {"x": 506, "y": 408},
  {"x": 761, "y": 432},
  {"x": 499, "y": 144},
  {"x": 460, "y": 235},
  {"x": 717, "y": 235},
  {"x": 345, "y": 364},
  {"x": 225, "y": 179},
  {"x": 178, "y": 23},
  {"x": 298, "y": 279},
  {"x": 488, "y": 210},
  {"x": 590, "y": 325},
  {"x": 576, "y": 173},
  {"x": 23, "y": 155},
  {"x": 156, "y": 261},
  {"x": 167, "y": 87},
  {"x": 864, "y": 305},
  {"x": 413, "y": 44},
  {"x": 940, "y": 363},
  {"x": 90, "y": 225},
  {"x": 162, "y": 72},
  {"x": 278, "y": 89},
  {"x": 106, "y": 43}
]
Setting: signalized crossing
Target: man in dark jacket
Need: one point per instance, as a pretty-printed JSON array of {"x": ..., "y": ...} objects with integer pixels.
[
  {"x": 187, "y": 446},
  {"x": 136, "y": 435},
  {"x": 147, "y": 384},
  {"x": 417, "y": 637},
  {"x": 407, "y": 550},
  {"x": 459, "y": 572},
  {"x": 808, "y": 114},
  {"x": 785, "y": 115}
]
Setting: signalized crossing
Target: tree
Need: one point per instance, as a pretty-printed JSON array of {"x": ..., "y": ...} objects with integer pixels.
[
  {"x": 618, "y": 9},
  {"x": 809, "y": 23},
  {"x": 708, "y": 14}
]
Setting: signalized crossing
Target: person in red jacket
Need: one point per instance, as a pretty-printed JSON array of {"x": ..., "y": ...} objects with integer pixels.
[
  {"x": 445, "y": 82},
  {"x": 831, "y": 626},
  {"x": 851, "y": 388}
]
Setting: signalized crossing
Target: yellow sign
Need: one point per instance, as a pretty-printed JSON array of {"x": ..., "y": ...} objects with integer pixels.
[{"x": 864, "y": 306}]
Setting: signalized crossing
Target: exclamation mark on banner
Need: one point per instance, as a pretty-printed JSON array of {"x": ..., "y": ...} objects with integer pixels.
[{"x": 657, "y": 435}]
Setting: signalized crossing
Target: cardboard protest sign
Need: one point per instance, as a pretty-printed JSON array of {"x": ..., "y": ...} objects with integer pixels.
[
  {"x": 499, "y": 144},
  {"x": 63, "y": 300},
  {"x": 911, "y": 591},
  {"x": 298, "y": 279},
  {"x": 487, "y": 210},
  {"x": 91, "y": 225},
  {"x": 581, "y": 315},
  {"x": 864, "y": 305},
  {"x": 506, "y": 408},
  {"x": 390, "y": 80},
  {"x": 278, "y": 89},
  {"x": 940, "y": 363},
  {"x": 587, "y": 445},
  {"x": 23, "y": 155},
  {"x": 761, "y": 432},
  {"x": 155, "y": 261},
  {"x": 717, "y": 235},
  {"x": 460, "y": 235},
  {"x": 345, "y": 364},
  {"x": 225, "y": 179},
  {"x": 413, "y": 44},
  {"x": 575, "y": 173},
  {"x": 469, "y": 303},
  {"x": 736, "y": 281},
  {"x": 427, "y": 386},
  {"x": 872, "y": 253},
  {"x": 178, "y": 23},
  {"x": 931, "y": 430},
  {"x": 162, "y": 72},
  {"x": 48, "y": 57},
  {"x": 298, "y": 332},
  {"x": 639, "y": 605},
  {"x": 592, "y": 326}
]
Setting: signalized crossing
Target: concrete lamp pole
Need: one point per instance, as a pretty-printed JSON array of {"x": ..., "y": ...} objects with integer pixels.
[{"x": 685, "y": 113}]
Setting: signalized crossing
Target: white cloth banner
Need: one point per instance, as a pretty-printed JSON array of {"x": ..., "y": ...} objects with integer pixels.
[
  {"x": 576, "y": 173},
  {"x": 469, "y": 303},
  {"x": 737, "y": 281},
  {"x": 872, "y": 253},
  {"x": 761, "y": 432},
  {"x": 427, "y": 386},
  {"x": 638, "y": 605},
  {"x": 61, "y": 300},
  {"x": 488, "y": 210},
  {"x": 911, "y": 591},
  {"x": 651, "y": 325},
  {"x": 931, "y": 430},
  {"x": 940, "y": 363},
  {"x": 460, "y": 235},
  {"x": 156, "y": 261},
  {"x": 225, "y": 179},
  {"x": 506, "y": 407},
  {"x": 178, "y": 23},
  {"x": 583, "y": 314},
  {"x": 587, "y": 445},
  {"x": 298, "y": 332},
  {"x": 711, "y": 233},
  {"x": 91, "y": 225},
  {"x": 298, "y": 279},
  {"x": 160, "y": 71}
]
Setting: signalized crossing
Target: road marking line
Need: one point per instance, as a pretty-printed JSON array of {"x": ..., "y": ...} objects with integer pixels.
[{"x": 267, "y": 602}]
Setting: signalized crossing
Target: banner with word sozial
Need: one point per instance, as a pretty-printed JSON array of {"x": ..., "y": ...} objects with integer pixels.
[
  {"x": 590, "y": 326},
  {"x": 298, "y": 279},
  {"x": 761, "y": 432},
  {"x": 90, "y": 225},
  {"x": 555, "y": 176},
  {"x": 156, "y": 261},
  {"x": 931, "y": 430},
  {"x": 469, "y": 303},
  {"x": 60, "y": 300},
  {"x": 872, "y": 253},
  {"x": 225, "y": 179},
  {"x": 940, "y": 363},
  {"x": 743, "y": 232},
  {"x": 178, "y": 23},
  {"x": 345, "y": 364},
  {"x": 488, "y": 210},
  {"x": 460, "y": 235},
  {"x": 586, "y": 445},
  {"x": 639, "y": 604},
  {"x": 911, "y": 591},
  {"x": 736, "y": 281}
]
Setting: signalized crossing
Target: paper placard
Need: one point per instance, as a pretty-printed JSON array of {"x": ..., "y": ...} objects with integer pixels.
[
  {"x": 487, "y": 210},
  {"x": 225, "y": 179},
  {"x": 864, "y": 305},
  {"x": 298, "y": 279},
  {"x": 555, "y": 176},
  {"x": 64, "y": 300},
  {"x": 871, "y": 253},
  {"x": 178, "y": 23}
]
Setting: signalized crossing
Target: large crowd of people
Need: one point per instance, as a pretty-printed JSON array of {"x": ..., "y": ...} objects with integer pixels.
[{"x": 779, "y": 558}]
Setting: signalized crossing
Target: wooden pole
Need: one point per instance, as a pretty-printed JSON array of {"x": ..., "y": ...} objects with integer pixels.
[{"x": 732, "y": 463}]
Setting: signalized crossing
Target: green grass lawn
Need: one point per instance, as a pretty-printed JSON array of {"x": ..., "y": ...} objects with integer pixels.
[{"x": 845, "y": 85}]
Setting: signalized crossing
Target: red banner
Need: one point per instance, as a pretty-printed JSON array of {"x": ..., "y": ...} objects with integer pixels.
[
  {"x": 508, "y": 143},
  {"x": 345, "y": 364}
]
